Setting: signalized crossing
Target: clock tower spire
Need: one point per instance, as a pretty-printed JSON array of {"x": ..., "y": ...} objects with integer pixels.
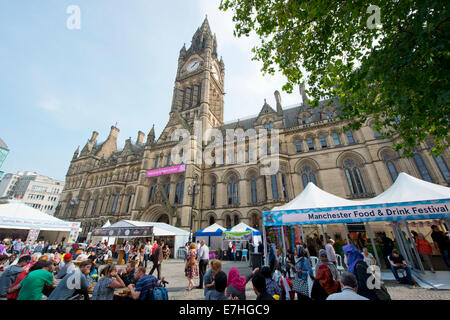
[{"x": 199, "y": 84}]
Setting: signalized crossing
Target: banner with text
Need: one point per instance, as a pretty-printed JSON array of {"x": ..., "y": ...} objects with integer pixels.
[
  {"x": 164, "y": 171},
  {"x": 416, "y": 210}
]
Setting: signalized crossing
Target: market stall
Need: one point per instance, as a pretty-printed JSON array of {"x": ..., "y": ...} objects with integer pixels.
[
  {"x": 241, "y": 234},
  {"x": 212, "y": 236},
  {"x": 17, "y": 220},
  {"x": 146, "y": 231},
  {"x": 408, "y": 198}
]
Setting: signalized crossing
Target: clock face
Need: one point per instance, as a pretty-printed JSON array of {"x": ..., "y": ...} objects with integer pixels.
[
  {"x": 215, "y": 73},
  {"x": 193, "y": 65}
]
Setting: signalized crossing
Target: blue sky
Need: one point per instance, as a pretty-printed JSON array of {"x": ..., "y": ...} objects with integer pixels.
[{"x": 58, "y": 85}]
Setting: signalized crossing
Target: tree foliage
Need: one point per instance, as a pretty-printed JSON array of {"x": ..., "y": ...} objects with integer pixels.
[{"x": 396, "y": 73}]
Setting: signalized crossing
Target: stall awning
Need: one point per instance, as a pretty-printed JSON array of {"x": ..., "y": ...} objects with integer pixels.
[
  {"x": 408, "y": 198},
  {"x": 214, "y": 230},
  {"x": 242, "y": 227},
  {"x": 17, "y": 215}
]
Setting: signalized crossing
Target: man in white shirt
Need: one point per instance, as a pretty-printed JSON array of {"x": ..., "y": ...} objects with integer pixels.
[
  {"x": 147, "y": 253},
  {"x": 349, "y": 286},
  {"x": 331, "y": 254},
  {"x": 203, "y": 259}
]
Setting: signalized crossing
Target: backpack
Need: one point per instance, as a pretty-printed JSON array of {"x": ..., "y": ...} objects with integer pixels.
[{"x": 158, "y": 293}]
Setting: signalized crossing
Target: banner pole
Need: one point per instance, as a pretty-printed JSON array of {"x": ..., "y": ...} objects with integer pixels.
[
  {"x": 265, "y": 246},
  {"x": 284, "y": 246}
]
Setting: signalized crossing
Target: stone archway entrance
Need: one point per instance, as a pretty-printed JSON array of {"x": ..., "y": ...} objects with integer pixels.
[
  {"x": 163, "y": 218},
  {"x": 156, "y": 213}
]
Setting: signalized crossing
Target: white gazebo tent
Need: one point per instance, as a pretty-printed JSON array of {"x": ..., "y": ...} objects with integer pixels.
[
  {"x": 160, "y": 229},
  {"x": 242, "y": 227},
  {"x": 408, "y": 198},
  {"x": 212, "y": 235},
  {"x": 22, "y": 218}
]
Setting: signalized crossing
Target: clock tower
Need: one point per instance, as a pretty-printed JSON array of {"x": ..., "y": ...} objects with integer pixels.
[{"x": 199, "y": 84}]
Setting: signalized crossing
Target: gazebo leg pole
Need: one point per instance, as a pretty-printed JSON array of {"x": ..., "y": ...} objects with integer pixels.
[
  {"x": 284, "y": 246},
  {"x": 373, "y": 244},
  {"x": 447, "y": 223},
  {"x": 413, "y": 245},
  {"x": 303, "y": 236},
  {"x": 265, "y": 246},
  {"x": 323, "y": 235}
]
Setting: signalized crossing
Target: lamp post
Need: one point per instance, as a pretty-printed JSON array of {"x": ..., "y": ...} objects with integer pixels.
[{"x": 193, "y": 188}]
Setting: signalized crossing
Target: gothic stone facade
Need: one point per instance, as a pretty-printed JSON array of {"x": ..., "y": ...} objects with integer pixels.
[{"x": 104, "y": 183}]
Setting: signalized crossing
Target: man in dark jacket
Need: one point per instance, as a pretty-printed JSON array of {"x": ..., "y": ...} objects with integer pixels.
[
  {"x": 388, "y": 246},
  {"x": 259, "y": 286},
  {"x": 442, "y": 243},
  {"x": 158, "y": 258},
  {"x": 9, "y": 276}
]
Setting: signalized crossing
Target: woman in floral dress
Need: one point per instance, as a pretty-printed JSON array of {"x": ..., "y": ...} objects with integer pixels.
[{"x": 191, "y": 269}]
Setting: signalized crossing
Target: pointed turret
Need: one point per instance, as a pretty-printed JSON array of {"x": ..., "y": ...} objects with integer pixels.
[
  {"x": 183, "y": 51},
  {"x": 278, "y": 100},
  {"x": 75, "y": 154},
  {"x": 303, "y": 94},
  {"x": 151, "y": 136}
]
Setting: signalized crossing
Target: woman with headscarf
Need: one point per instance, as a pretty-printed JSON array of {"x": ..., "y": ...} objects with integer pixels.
[
  {"x": 324, "y": 284},
  {"x": 323, "y": 259},
  {"x": 272, "y": 286},
  {"x": 302, "y": 271},
  {"x": 236, "y": 284},
  {"x": 357, "y": 266}
]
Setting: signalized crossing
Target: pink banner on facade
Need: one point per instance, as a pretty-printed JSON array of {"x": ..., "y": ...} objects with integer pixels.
[{"x": 164, "y": 171}]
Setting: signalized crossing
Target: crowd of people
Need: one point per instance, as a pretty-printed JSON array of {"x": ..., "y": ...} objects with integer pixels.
[
  {"x": 38, "y": 270},
  {"x": 57, "y": 271}
]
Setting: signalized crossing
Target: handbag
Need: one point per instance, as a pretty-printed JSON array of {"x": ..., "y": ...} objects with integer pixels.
[{"x": 382, "y": 293}]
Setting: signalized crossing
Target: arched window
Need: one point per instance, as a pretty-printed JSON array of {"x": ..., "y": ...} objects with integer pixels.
[
  {"x": 284, "y": 185},
  {"x": 354, "y": 178},
  {"x": 392, "y": 170},
  {"x": 310, "y": 144},
  {"x": 179, "y": 191},
  {"x": 422, "y": 168},
  {"x": 305, "y": 119},
  {"x": 235, "y": 220},
  {"x": 213, "y": 193},
  {"x": 350, "y": 137},
  {"x": 169, "y": 159},
  {"x": 232, "y": 190},
  {"x": 94, "y": 206},
  {"x": 323, "y": 141},
  {"x": 227, "y": 222},
  {"x": 152, "y": 192},
  {"x": 114, "y": 206},
  {"x": 255, "y": 221},
  {"x": 156, "y": 161},
  {"x": 441, "y": 164},
  {"x": 129, "y": 203},
  {"x": 298, "y": 146},
  {"x": 86, "y": 205},
  {"x": 329, "y": 114},
  {"x": 212, "y": 220},
  {"x": 376, "y": 133},
  {"x": 253, "y": 188},
  {"x": 265, "y": 125},
  {"x": 308, "y": 176},
  {"x": 273, "y": 179},
  {"x": 270, "y": 125},
  {"x": 336, "y": 140}
]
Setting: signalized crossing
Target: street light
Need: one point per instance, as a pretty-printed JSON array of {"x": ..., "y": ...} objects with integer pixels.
[{"x": 193, "y": 188}]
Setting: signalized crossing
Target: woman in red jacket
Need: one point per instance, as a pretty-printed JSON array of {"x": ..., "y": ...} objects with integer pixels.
[{"x": 425, "y": 249}]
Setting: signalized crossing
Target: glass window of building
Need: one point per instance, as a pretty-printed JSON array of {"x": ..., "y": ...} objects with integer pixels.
[
  {"x": 424, "y": 173},
  {"x": 350, "y": 137},
  {"x": 273, "y": 179},
  {"x": 298, "y": 146},
  {"x": 323, "y": 141},
  {"x": 310, "y": 144}
]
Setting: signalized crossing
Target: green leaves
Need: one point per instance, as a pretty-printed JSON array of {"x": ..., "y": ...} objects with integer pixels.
[{"x": 398, "y": 74}]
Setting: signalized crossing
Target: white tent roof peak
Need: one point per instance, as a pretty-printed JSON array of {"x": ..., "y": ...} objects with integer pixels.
[
  {"x": 241, "y": 227},
  {"x": 407, "y": 188},
  {"x": 213, "y": 228},
  {"x": 314, "y": 197},
  {"x": 107, "y": 224}
]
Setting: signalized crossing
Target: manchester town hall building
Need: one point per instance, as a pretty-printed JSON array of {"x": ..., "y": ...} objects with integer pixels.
[{"x": 104, "y": 183}]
